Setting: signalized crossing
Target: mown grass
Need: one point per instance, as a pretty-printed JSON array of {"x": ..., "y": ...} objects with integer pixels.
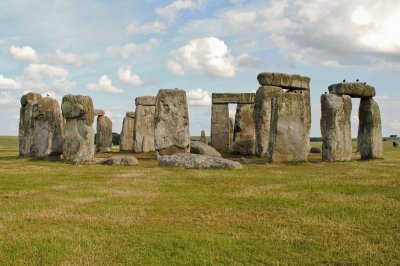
[{"x": 305, "y": 213}]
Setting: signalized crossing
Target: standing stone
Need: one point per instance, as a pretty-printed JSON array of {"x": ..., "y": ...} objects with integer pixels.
[
  {"x": 262, "y": 117},
  {"x": 26, "y": 123},
  {"x": 369, "y": 139},
  {"x": 79, "y": 133},
  {"x": 221, "y": 127},
  {"x": 203, "y": 137},
  {"x": 48, "y": 130},
  {"x": 244, "y": 138},
  {"x": 98, "y": 112},
  {"x": 104, "y": 134},
  {"x": 172, "y": 122},
  {"x": 143, "y": 140},
  {"x": 127, "y": 132},
  {"x": 336, "y": 127},
  {"x": 289, "y": 135}
]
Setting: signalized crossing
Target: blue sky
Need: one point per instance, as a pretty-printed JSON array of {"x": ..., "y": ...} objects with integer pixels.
[{"x": 115, "y": 51}]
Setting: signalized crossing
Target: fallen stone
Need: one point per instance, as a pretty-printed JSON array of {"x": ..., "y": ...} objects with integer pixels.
[
  {"x": 127, "y": 132},
  {"x": 315, "y": 150},
  {"x": 145, "y": 100},
  {"x": 104, "y": 134},
  {"x": 98, "y": 112},
  {"x": 130, "y": 114},
  {"x": 353, "y": 89},
  {"x": 171, "y": 122},
  {"x": 220, "y": 98},
  {"x": 143, "y": 137},
  {"x": 244, "y": 138},
  {"x": 221, "y": 127},
  {"x": 196, "y": 161},
  {"x": 369, "y": 139},
  {"x": 336, "y": 127},
  {"x": 120, "y": 160},
  {"x": 198, "y": 147},
  {"x": 284, "y": 80}
]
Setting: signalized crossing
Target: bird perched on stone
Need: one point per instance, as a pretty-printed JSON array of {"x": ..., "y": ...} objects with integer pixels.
[
  {"x": 365, "y": 82},
  {"x": 325, "y": 92},
  {"x": 344, "y": 80},
  {"x": 357, "y": 80},
  {"x": 47, "y": 95}
]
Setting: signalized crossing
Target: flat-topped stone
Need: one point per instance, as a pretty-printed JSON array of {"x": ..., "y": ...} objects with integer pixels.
[
  {"x": 220, "y": 98},
  {"x": 98, "y": 112},
  {"x": 130, "y": 114},
  {"x": 353, "y": 89},
  {"x": 30, "y": 97},
  {"x": 283, "y": 80},
  {"x": 145, "y": 100}
]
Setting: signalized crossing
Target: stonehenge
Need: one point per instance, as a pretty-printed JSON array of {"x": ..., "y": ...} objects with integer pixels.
[
  {"x": 104, "y": 134},
  {"x": 127, "y": 132},
  {"x": 244, "y": 131},
  {"x": 203, "y": 137},
  {"x": 143, "y": 135}
]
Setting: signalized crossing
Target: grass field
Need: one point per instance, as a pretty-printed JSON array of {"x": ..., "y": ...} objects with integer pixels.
[{"x": 291, "y": 213}]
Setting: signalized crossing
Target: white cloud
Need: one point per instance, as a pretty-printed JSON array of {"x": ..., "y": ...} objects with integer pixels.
[
  {"x": 61, "y": 58},
  {"x": 36, "y": 71},
  {"x": 9, "y": 84},
  {"x": 151, "y": 27},
  {"x": 171, "y": 11},
  {"x": 125, "y": 76},
  {"x": 104, "y": 85},
  {"x": 7, "y": 100},
  {"x": 63, "y": 85},
  {"x": 199, "y": 97},
  {"x": 132, "y": 49},
  {"x": 395, "y": 125},
  {"x": 249, "y": 61},
  {"x": 25, "y": 53}
]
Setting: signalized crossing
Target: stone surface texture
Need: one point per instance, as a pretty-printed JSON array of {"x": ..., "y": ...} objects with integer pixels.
[
  {"x": 48, "y": 130},
  {"x": 145, "y": 100},
  {"x": 244, "y": 135},
  {"x": 104, "y": 134},
  {"x": 285, "y": 81},
  {"x": 262, "y": 117},
  {"x": 127, "y": 133},
  {"x": 220, "y": 98},
  {"x": 369, "y": 139},
  {"x": 130, "y": 114},
  {"x": 143, "y": 136},
  {"x": 289, "y": 135},
  {"x": 120, "y": 160},
  {"x": 79, "y": 133},
  {"x": 203, "y": 137},
  {"x": 26, "y": 123},
  {"x": 172, "y": 122},
  {"x": 353, "y": 89},
  {"x": 196, "y": 161},
  {"x": 221, "y": 127},
  {"x": 98, "y": 112},
  {"x": 198, "y": 147},
  {"x": 336, "y": 127}
]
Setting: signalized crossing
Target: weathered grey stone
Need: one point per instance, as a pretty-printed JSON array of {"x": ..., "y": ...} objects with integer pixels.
[
  {"x": 130, "y": 114},
  {"x": 289, "y": 135},
  {"x": 315, "y": 150},
  {"x": 48, "y": 130},
  {"x": 203, "y": 137},
  {"x": 220, "y": 98},
  {"x": 145, "y": 100},
  {"x": 336, "y": 127},
  {"x": 307, "y": 98},
  {"x": 198, "y": 147},
  {"x": 221, "y": 128},
  {"x": 127, "y": 132},
  {"x": 353, "y": 89},
  {"x": 262, "y": 117},
  {"x": 172, "y": 122},
  {"x": 26, "y": 123},
  {"x": 98, "y": 112},
  {"x": 369, "y": 139},
  {"x": 244, "y": 135},
  {"x": 284, "y": 80},
  {"x": 196, "y": 161},
  {"x": 120, "y": 160},
  {"x": 79, "y": 133},
  {"x": 143, "y": 137},
  {"x": 104, "y": 134}
]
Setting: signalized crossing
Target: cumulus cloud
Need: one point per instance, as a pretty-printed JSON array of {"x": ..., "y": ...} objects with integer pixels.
[
  {"x": 132, "y": 49},
  {"x": 151, "y": 27},
  {"x": 125, "y": 76},
  {"x": 25, "y": 53},
  {"x": 63, "y": 85},
  {"x": 9, "y": 84},
  {"x": 199, "y": 97},
  {"x": 171, "y": 11},
  {"x": 104, "y": 85},
  {"x": 62, "y": 58},
  {"x": 7, "y": 100},
  {"x": 36, "y": 71}
]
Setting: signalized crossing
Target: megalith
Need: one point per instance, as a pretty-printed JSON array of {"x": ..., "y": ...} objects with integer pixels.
[
  {"x": 369, "y": 139},
  {"x": 244, "y": 130},
  {"x": 127, "y": 132},
  {"x": 203, "y": 137},
  {"x": 26, "y": 123},
  {"x": 289, "y": 134},
  {"x": 171, "y": 122},
  {"x": 79, "y": 133},
  {"x": 104, "y": 134},
  {"x": 221, "y": 127},
  {"x": 336, "y": 127},
  {"x": 48, "y": 137},
  {"x": 262, "y": 117},
  {"x": 143, "y": 137}
]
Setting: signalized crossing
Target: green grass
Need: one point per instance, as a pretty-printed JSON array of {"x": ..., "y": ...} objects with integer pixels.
[{"x": 305, "y": 213}]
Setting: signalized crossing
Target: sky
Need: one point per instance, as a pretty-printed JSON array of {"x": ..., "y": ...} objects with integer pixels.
[{"x": 115, "y": 51}]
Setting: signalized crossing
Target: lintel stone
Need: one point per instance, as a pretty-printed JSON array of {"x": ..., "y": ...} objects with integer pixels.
[
  {"x": 145, "y": 100},
  {"x": 245, "y": 98},
  {"x": 353, "y": 89},
  {"x": 285, "y": 81}
]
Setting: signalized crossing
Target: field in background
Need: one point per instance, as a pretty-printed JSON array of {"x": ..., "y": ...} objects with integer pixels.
[{"x": 290, "y": 213}]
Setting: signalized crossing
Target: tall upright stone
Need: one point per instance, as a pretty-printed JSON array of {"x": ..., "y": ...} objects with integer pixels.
[
  {"x": 79, "y": 133},
  {"x": 26, "y": 123},
  {"x": 127, "y": 132},
  {"x": 143, "y": 138},
  {"x": 203, "y": 137},
  {"x": 369, "y": 139},
  {"x": 262, "y": 117},
  {"x": 172, "y": 122},
  {"x": 48, "y": 137},
  {"x": 244, "y": 131},
  {"x": 104, "y": 134},
  {"x": 336, "y": 127},
  {"x": 289, "y": 135},
  {"x": 221, "y": 127}
]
